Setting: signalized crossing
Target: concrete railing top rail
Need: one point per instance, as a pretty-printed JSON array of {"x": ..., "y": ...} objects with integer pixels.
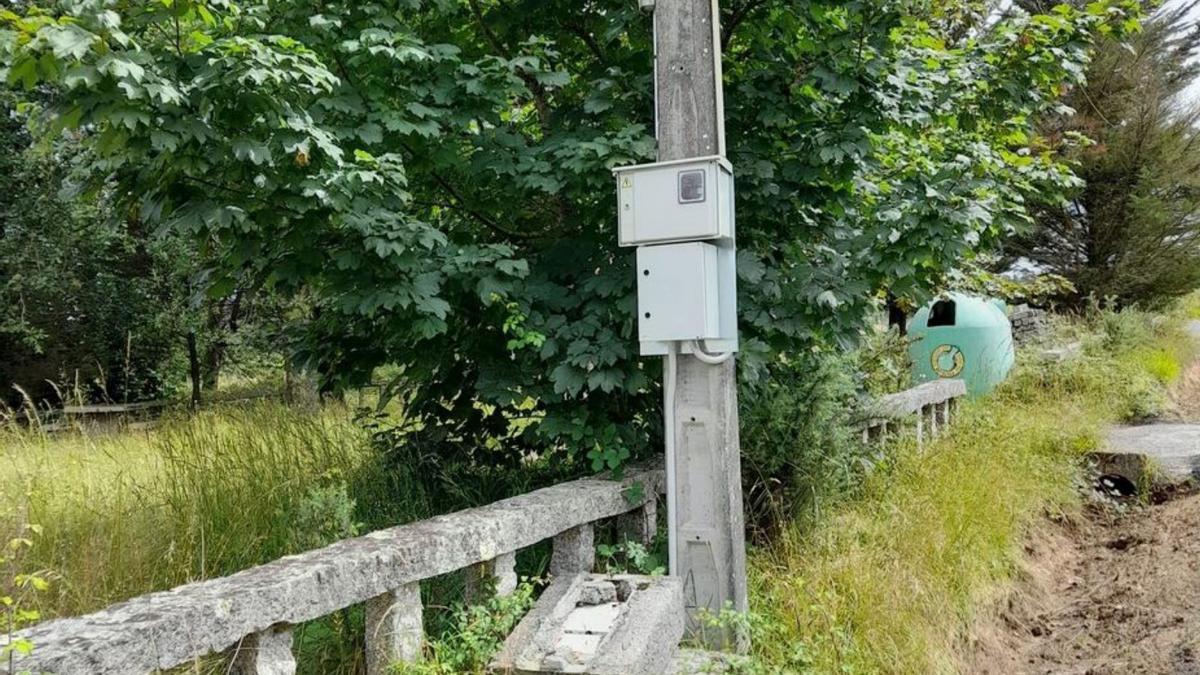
[
  {"x": 259, "y": 605},
  {"x": 112, "y": 408},
  {"x": 911, "y": 401},
  {"x": 932, "y": 403}
]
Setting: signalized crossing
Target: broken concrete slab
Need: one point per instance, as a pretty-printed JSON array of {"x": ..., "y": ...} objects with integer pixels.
[
  {"x": 598, "y": 624},
  {"x": 1062, "y": 353},
  {"x": 1152, "y": 453},
  {"x": 692, "y": 661}
]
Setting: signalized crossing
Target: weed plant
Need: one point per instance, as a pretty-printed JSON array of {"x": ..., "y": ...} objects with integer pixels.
[
  {"x": 475, "y": 634},
  {"x": 798, "y": 442}
]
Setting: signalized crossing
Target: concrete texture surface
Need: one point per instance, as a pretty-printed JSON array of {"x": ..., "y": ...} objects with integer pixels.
[
  {"x": 598, "y": 624},
  {"x": 1172, "y": 450}
]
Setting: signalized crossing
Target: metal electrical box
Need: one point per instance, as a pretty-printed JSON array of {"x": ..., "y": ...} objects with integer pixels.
[
  {"x": 683, "y": 200},
  {"x": 678, "y": 292}
]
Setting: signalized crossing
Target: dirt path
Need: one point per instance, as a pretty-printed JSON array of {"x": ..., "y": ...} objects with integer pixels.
[
  {"x": 1185, "y": 395},
  {"x": 1115, "y": 591},
  {"x": 1112, "y": 593}
]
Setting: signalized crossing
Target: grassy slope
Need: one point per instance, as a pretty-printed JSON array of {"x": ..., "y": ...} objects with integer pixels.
[
  {"x": 887, "y": 581},
  {"x": 884, "y": 581}
]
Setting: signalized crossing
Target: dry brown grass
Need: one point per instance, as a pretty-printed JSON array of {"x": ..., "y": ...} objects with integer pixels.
[{"x": 1185, "y": 395}]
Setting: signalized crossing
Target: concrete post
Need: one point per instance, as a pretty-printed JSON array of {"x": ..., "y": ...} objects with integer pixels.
[
  {"x": 395, "y": 630},
  {"x": 498, "y": 575},
  {"x": 574, "y": 552},
  {"x": 266, "y": 653},
  {"x": 710, "y": 548}
]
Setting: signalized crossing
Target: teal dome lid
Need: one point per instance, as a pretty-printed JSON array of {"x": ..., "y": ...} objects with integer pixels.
[{"x": 960, "y": 310}]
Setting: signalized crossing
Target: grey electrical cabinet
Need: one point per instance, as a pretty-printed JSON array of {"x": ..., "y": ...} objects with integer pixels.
[
  {"x": 678, "y": 293},
  {"x": 684, "y": 200}
]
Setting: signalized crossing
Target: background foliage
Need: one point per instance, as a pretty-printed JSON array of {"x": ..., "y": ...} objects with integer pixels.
[
  {"x": 81, "y": 296},
  {"x": 435, "y": 175},
  {"x": 1132, "y": 232}
]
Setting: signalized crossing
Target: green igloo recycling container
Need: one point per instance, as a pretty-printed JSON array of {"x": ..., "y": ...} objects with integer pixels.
[{"x": 964, "y": 337}]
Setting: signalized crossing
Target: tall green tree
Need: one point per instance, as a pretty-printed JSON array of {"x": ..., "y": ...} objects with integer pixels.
[
  {"x": 94, "y": 304},
  {"x": 81, "y": 297},
  {"x": 436, "y": 174},
  {"x": 1132, "y": 232}
]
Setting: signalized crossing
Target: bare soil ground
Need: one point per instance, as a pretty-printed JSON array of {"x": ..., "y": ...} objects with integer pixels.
[
  {"x": 1112, "y": 592},
  {"x": 1116, "y": 590}
]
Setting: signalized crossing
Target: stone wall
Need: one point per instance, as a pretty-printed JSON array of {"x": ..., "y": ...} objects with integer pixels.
[{"x": 1028, "y": 324}]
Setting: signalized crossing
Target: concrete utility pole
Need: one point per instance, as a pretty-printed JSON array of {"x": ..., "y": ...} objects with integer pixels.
[{"x": 710, "y": 547}]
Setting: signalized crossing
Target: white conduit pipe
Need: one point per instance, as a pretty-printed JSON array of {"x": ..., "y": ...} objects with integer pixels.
[
  {"x": 709, "y": 357},
  {"x": 671, "y": 371}
]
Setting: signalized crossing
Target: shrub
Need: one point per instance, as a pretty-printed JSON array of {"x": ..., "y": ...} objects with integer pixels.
[
  {"x": 797, "y": 439},
  {"x": 478, "y": 632},
  {"x": 323, "y": 516},
  {"x": 883, "y": 362}
]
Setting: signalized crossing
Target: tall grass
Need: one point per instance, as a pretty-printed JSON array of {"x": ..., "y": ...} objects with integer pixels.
[
  {"x": 888, "y": 581},
  {"x": 127, "y": 513}
]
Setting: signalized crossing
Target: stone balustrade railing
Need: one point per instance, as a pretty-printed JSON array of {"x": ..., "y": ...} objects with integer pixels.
[
  {"x": 251, "y": 613},
  {"x": 933, "y": 404}
]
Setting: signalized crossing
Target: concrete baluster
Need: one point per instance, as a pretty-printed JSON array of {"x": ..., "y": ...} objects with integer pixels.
[
  {"x": 574, "y": 551},
  {"x": 268, "y": 652},
  {"x": 640, "y": 524},
  {"x": 394, "y": 631},
  {"x": 498, "y": 574},
  {"x": 920, "y": 427}
]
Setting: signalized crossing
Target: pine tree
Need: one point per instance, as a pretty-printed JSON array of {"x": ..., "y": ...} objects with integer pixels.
[{"x": 1131, "y": 234}]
